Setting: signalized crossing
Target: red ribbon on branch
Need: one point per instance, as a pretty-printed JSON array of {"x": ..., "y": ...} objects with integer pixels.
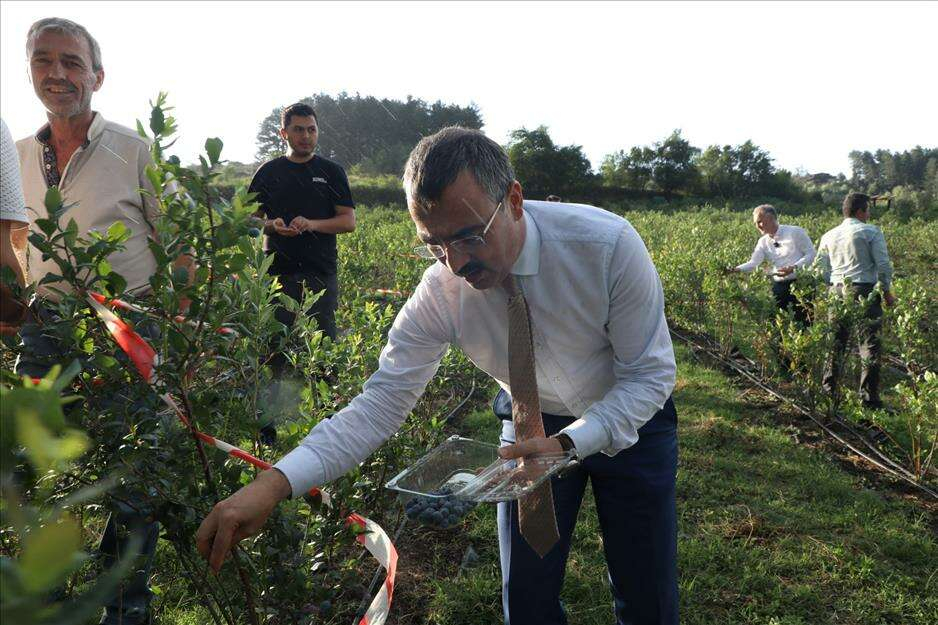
[{"x": 145, "y": 359}]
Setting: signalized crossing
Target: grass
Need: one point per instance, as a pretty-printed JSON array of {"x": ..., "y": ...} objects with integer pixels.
[{"x": 769, "y": 532}]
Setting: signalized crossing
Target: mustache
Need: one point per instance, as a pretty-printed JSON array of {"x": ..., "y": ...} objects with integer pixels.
[
  {"x": 57, "y": 83},
  {"x": 469, "y": 267}
]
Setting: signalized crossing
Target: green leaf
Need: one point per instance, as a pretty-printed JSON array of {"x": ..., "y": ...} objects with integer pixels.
[
  {"x": 157, "y": 120},
  {"x": 50, "y": 553},
  {"x": 47, "y": 226},
  {"x": 45, "y": 450},
  {"x": 53, "y": 200},
  {"x": 213, "y": 147},
  {"x": 141, "y": 131},
  {"x": 116, "y": 231}
]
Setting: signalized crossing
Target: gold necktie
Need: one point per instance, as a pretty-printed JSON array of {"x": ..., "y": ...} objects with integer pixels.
[{"x": 536, "y": 510}]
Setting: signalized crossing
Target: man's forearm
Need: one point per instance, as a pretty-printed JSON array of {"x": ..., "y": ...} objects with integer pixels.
[{"x": 340, "y": 224}]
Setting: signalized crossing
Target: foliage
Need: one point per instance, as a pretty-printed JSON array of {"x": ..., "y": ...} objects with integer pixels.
[
  {"x": 544, "y": 168},
  {"x": 42, "y": 543},
  {"x": 224, "y": 383}
]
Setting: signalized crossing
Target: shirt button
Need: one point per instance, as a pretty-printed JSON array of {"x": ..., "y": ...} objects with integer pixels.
[{"x": 48, "y": 166}]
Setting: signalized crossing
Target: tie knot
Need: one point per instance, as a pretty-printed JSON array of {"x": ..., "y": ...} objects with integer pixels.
[{"x": 511, "y": 286}]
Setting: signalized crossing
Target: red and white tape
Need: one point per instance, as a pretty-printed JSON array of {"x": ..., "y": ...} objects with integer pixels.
[
  {"x": 145, "y": 359},
  {"x": 379, "y": 545}
]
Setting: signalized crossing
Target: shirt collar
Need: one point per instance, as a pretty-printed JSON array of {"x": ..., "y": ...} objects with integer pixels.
[
  {"x": 529, "y": 259},
  {"x": 94, "y": 131},
  {"x": 852, "y": 220}
]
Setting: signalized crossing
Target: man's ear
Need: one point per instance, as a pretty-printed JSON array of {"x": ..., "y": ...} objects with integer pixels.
[
  {"x": 99, "y": 79},
  {"x": 515, "y": 200},
  {"x": 283, "y": 134}
]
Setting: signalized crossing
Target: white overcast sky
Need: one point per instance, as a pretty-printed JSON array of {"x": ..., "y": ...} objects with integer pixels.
[{"x": 807, "y": 81}]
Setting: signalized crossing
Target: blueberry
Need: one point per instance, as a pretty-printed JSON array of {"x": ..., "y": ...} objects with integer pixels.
[
  {"x": 426, "y": 516},
  {"x": 254, "y": 232},
  {"x": 325, "y": 606}
]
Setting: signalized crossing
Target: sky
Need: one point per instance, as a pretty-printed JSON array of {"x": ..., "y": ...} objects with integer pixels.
[{"x": 809, "y": 82}]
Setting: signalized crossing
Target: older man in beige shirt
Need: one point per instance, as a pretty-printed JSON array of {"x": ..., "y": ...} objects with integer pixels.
[{"x": 99, "y": 168}]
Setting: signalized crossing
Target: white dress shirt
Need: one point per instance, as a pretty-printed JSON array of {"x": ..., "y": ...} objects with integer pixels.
[
  {"x": 602, "y": 348},
  {"x": 790, "y": 247},
  {"x": 855, "y": 251}
]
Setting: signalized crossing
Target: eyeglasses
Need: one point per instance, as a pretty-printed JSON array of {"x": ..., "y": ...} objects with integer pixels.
[{"x": 465, "y": 245}]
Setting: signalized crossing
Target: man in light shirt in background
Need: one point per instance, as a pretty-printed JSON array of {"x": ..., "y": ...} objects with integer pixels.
[
  {"x": 788, "y": 248},
  {"x": 853, "y": 259},
  {"x": 605, "y": 370}
]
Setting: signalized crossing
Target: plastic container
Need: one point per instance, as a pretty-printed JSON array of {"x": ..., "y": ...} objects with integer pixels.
[{"x": 468, "y": 469}]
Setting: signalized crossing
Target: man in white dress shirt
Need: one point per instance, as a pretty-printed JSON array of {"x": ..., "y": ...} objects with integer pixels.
[
  {"x": 605, "y": 371},
  {"x": 788, "y": 248}
]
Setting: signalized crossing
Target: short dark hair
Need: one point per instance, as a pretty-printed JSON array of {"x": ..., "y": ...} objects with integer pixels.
[
  {"x": 437, "y": 161},
  {"x": 300, "y": 109},
  {"x": 854, "y": 203}
]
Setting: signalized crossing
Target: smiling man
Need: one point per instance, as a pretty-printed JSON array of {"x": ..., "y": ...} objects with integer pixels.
[
  {"x": 99, "y": 167},
  {"x": 561, "y": 305}
]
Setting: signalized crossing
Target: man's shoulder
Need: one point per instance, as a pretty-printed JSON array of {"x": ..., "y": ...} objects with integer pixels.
[
  {"x": 558, "y": 221},
  {"x": 125, "y": 134},
  {"x": 269, "y": 166},
  {"x": 327, "y": 165}
]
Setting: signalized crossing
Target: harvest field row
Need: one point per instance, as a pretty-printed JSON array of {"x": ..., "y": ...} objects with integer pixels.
[{"x": 307, "y": 565}]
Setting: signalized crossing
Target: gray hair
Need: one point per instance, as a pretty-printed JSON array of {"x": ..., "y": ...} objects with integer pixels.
[
  {"x": 764, "y": 208},
  {"x": 62, "y": 25},
  {"x": 437, "y": 161}
]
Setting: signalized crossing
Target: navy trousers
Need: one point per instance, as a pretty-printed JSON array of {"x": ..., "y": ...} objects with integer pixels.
[{"x": 635, "y": 500}]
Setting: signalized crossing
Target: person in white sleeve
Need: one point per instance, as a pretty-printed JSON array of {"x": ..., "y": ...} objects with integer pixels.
[
  {"x": 13, "y": 229},
  {"x": 788, "y": 249},
  {"x": 605, "y": 370}
]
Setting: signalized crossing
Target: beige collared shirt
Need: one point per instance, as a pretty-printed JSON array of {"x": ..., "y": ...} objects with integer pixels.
[{"x": 102, "y": 181}]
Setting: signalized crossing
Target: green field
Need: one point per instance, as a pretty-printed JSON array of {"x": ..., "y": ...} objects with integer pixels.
[{"x": 775, "y": 526}]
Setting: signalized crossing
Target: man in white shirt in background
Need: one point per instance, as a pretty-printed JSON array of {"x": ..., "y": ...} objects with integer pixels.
[
  {"x": 788, "y": 248},
  {"x": 605, "y": 371},
  {"x": 853, "y": 258}
]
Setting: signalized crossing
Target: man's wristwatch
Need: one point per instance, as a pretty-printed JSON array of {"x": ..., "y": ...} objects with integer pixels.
[{"x": 566, "y": 443}]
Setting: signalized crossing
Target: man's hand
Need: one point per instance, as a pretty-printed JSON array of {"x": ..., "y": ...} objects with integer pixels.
[
  {"x": 531, "y": 447},
  {"x": 241, "y": 515},
  {"x": 279, "y": 227},
  {"x": 889, "y": 298},
  {"x": 302, "y": 224},
  {"x": 784, "y": 271}
]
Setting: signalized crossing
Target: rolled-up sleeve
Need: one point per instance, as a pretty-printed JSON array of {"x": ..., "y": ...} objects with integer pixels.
[
  {"x": 881, "y": 259},
  {"x": 417, "y": 342},
  {"x": 758, "y": 255},
  {"x": 643, "y": 360},
  {"x": 822, "y": 260}
]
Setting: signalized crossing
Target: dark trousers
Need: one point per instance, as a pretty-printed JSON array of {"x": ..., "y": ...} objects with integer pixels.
[
  {"x": 786, "y": 300},
  {"x": 323, "y": 310},
  {"x": 635, "y": 500},
  {"x": 130, "y": 602},
  {"x": 869, "y": 343}
]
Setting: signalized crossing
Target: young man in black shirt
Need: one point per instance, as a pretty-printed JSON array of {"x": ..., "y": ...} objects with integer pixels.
[{"x": 305, "y": 202}]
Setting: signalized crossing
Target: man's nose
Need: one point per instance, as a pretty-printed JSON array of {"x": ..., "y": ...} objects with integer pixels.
[
  {"x": 455, "y": 259},
  {"x": 57, "y": 70}
]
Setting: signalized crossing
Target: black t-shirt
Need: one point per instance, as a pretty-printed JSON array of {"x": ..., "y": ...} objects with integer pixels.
[{"x": 312, "y": 190}]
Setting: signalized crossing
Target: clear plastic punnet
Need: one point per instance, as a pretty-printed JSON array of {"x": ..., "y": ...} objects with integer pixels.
[{"x": 472, "y": 470}]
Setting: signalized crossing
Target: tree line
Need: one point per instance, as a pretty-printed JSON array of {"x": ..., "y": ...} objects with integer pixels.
[{"x": 371, "y": 136}]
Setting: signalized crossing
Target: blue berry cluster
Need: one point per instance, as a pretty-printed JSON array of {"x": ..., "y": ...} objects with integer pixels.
[{"x": 440, "y": 512}]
